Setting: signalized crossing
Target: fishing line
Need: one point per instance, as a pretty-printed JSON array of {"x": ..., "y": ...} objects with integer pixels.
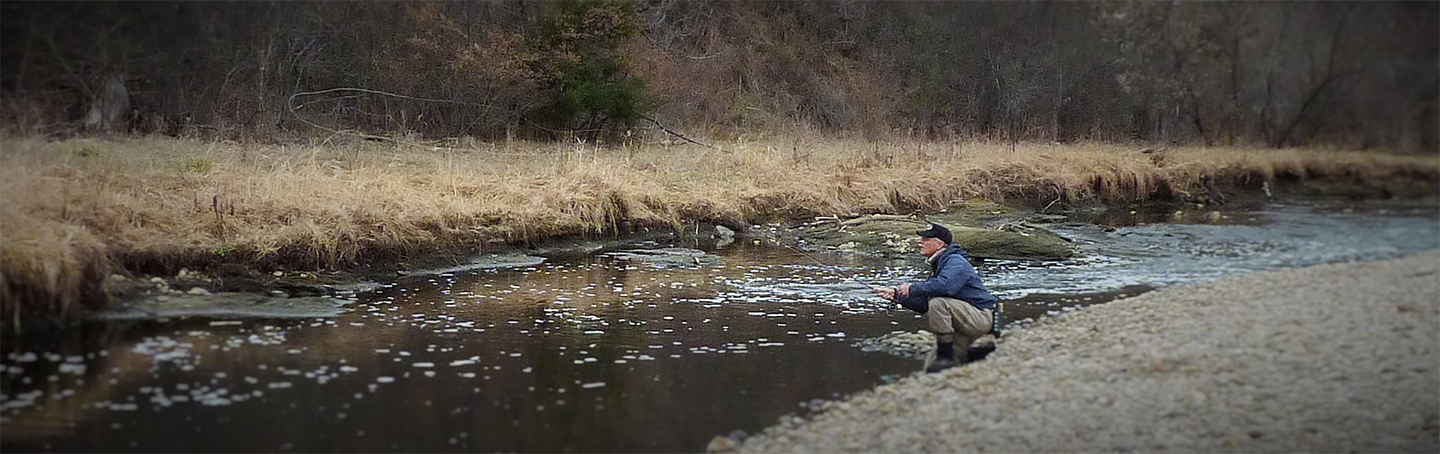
[{"x": 818, "y": 262}]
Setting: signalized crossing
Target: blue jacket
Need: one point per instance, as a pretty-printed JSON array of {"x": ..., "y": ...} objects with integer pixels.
[{"x": 952, "y": 276}]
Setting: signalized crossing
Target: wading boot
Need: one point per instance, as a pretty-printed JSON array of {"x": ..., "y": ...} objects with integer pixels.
[
  {"x": 978, "y": 352},
  {"x": 944, "y": 357}
]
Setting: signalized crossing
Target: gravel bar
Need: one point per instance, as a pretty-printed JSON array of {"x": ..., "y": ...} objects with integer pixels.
[{"x": 1336, "y": 357}]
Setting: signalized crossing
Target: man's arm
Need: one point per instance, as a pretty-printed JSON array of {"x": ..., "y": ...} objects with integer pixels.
[
  {"x": 919, "y": 305},
  {"x": 947, "y": 282}
]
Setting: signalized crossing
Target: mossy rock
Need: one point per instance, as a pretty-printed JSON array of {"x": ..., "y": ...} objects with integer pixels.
[
  {"x": 1017, "y": 242},
  {"x": 976, "y": 213}
]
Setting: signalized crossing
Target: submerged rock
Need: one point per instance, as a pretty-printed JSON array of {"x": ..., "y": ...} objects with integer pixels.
[
  {"x": 225, "y": 305},
  {"x": 488, "y": 262},
  {"x": 665, "y": 257}
]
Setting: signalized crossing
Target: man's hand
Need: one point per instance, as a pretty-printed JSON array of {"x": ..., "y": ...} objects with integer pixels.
[
  {"x": 887, "y": 293},
  {"x": 903, "y": 291}
]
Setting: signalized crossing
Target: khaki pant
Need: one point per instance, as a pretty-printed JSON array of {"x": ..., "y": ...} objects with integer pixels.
[{"x": 952, "y": 316}]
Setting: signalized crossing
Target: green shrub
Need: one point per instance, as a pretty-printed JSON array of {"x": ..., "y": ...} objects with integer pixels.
[{"x": 589, "y": 89}]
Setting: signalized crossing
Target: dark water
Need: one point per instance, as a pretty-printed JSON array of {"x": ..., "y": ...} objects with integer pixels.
[{"x": 595, "y": 354}]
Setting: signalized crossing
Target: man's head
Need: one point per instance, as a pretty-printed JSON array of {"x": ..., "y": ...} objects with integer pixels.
[{"x": 933, "y": 239}]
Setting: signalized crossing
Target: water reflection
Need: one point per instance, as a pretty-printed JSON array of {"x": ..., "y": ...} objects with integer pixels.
[{"x": 589, "y": 355}]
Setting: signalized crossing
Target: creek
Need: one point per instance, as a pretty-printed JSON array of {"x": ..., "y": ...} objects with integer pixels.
[{"x": 605, "y": 352}]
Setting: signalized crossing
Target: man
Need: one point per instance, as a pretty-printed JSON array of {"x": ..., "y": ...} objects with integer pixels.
[{"x": 956, "y": 306}]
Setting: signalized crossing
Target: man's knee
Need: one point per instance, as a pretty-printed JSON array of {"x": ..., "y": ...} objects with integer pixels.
[{"x": 938, "y": 319}]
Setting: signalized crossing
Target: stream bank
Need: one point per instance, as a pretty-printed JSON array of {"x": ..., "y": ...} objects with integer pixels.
[
  {"x": 990, "y": 231},
  {"x": 1007, "y": 234}
]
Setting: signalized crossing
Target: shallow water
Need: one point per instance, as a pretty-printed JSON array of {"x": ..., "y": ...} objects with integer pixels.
[
  {"x": 1210, "y": 244},
  {"x": 596, "y": 353}
]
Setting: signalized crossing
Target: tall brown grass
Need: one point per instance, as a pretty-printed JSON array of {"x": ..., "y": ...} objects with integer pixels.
[{"x": 75, "y": 211}]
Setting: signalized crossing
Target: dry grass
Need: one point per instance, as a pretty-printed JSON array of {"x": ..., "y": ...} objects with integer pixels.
[{"x": 75, "y": 211}]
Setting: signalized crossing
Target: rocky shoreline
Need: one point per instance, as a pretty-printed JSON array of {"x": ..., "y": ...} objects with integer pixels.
[{"x": 1337, "y": 357}]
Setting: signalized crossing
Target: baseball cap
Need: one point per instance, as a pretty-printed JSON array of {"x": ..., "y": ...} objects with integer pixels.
[{"x": 936, "y": 231}]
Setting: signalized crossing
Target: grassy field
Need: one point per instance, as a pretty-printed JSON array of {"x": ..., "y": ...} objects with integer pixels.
[{"x": 76, "y": 211}]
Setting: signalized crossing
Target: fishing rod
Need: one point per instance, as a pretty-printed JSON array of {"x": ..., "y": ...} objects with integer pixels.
[
  {"x": 818, "y": 262},
  {"x": 906, "y": 218}
]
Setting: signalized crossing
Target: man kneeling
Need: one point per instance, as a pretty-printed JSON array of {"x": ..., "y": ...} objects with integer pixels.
[{"x": 956, "y": 306}]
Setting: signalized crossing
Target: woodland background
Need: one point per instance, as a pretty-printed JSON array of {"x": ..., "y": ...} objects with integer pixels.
[{"x": 1280, "y": 74}]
